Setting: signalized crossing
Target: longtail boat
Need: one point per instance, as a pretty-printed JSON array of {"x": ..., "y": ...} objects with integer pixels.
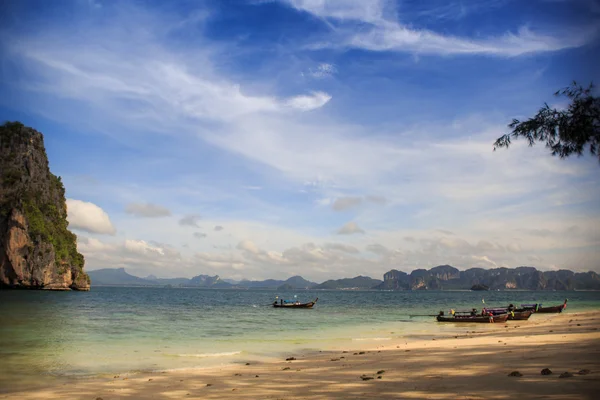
[
  {"x": 539, "y": 309},
  {"x": 514, "y": 314},
  {"x": 283, "y": 304},
  {"x": 468, "y": 317}
]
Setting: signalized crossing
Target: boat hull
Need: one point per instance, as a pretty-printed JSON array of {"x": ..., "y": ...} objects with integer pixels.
[
  {"x": 474, "y": 319},
  {"x": 548, "y": 310},
  {"x": 520, "y": 315},
  {"x": 296, "y": 305},
  {"x": 516, "y": 315}
]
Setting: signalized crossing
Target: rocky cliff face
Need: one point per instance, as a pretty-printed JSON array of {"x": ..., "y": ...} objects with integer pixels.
[{"x": 37, "y": 251}]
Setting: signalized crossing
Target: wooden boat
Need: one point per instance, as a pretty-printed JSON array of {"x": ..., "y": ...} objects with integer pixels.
[
  {"x": 467, "y": 317},
  {"x": 513, "y": 315},
  {"x": 539, "y": 309},
  {"x": 521, "y": 315},
  {"x": 296, "y": 304}
]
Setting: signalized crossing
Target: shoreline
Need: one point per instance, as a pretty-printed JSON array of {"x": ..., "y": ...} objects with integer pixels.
[{"x": 473, "y": 360}]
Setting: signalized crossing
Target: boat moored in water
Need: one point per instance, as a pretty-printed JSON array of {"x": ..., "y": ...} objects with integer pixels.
[
  {"x": 296, "y": 304},
  {"x": 513, "y": 314},
  {"x": 469, "y": 317},
  {"x": 539, "y": 309}
]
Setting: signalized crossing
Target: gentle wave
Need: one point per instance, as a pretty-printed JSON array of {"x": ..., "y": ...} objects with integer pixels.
[
  {"x": 203, "y": 355},
  {"x": 375, "y": 338}
]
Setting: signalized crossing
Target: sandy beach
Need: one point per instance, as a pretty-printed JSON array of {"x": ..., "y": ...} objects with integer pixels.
[{"x": 475, "y": 364}]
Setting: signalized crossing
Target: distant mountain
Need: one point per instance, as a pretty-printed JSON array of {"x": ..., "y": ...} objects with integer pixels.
[
  {"x": 116, "y": 276},
  {"x": 171, "y": 281},
  {"x": 286, "y": 286},
  {"x": 266, "y": 284},
  {"x": 446, "y": 277},
  {"x": 207, "y": 281},
  {"x": 442, "y": 277},
  {"x": 298, "y": 282},
  {"x": 359, "y": 282}
]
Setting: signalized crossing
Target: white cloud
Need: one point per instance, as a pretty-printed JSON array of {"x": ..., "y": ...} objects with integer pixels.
[
  {"x": 142, "y": 247},
  {"x": 363, "y": 10},
  {"x": 341, "y": 247},
  {"x": 308, "y": 103},
  {"x": 199, "y": 235},
  {"x": 218, "y": 228},
  {"x": 248, "y": 246},
  {"x": 381, "y": 31},
  {"x": 147, "y": 210},
  {"x": 344, "y": 203},
  {"x": 190, "y": 220},
  {"x": 378, "y": 249},
  {"x": 323, "y": 70},
  {"x": 88, "y": 217},
  {"x": 349, "y": 229}
]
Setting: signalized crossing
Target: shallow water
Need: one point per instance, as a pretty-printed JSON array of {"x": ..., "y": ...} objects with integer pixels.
[{"x": 109, "y": 330}]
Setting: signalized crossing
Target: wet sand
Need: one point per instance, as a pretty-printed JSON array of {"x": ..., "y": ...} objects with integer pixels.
[{"x": 473, "y": 364}]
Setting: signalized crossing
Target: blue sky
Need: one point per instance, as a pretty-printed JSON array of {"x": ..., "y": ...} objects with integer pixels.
[{"x": 323, "y": 138}]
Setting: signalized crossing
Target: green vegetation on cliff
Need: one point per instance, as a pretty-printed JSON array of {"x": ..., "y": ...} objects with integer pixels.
[{"x": 29, "y": 186}]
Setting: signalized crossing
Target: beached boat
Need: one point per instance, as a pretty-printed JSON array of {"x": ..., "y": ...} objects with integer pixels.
[
  {"x": 539, "y": 309},
  {"x": 468, "y": 317},
  {"x": 513, "y": 315},
  {"x": 296, "y": 304}
]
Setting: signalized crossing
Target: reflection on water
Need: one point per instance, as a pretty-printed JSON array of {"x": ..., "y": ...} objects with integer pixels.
[{"x": 46, "y": 335}]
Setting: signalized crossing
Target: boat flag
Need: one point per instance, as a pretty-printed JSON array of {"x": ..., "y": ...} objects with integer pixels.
[{"x": 483, "y": 301}]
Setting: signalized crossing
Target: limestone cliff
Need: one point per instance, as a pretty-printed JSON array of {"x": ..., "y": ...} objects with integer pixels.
[
  {"x": 446, "y": 277},
  {"x": 37, "y": 250}
]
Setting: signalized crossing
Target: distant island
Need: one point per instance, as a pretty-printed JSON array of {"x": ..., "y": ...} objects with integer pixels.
[{"x": 443, "y": 277}]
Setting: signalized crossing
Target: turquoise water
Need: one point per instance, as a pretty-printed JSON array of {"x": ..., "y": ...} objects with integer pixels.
[{"x": 53, "y": 335}]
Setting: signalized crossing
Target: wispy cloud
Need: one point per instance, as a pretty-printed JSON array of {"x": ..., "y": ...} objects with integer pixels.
[
  {"x": 147, "y": 210},
  {"x": 454, "y": 10},
  {"x": 309, "y": 102},
  {"x": 350, "y": 228},
  {"x": 323, "y": 70},
  {"x": 190, "y": 220},
  {"x": 344, "y": 203},
  {"x": 381, "y": 31}
]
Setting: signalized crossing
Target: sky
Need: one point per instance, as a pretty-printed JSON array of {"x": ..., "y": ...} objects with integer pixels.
[{"x": 324, "y": 138}]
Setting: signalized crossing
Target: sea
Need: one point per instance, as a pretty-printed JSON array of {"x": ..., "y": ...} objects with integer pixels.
[{"x": 49, "y": 336}]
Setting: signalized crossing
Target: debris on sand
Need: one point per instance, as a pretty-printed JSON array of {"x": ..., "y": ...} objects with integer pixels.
[{"x": 584, "y": 372}]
